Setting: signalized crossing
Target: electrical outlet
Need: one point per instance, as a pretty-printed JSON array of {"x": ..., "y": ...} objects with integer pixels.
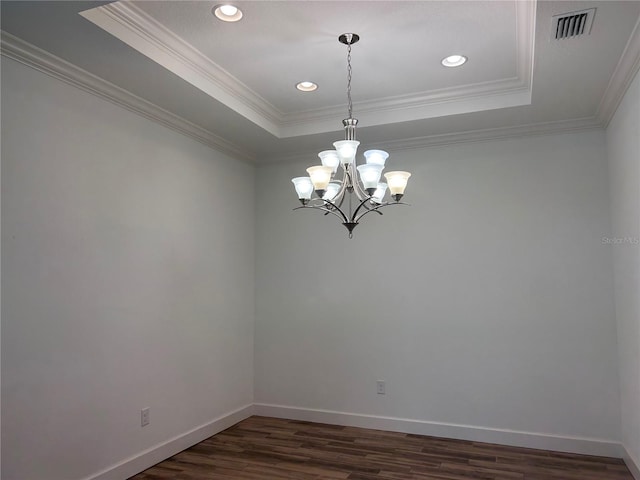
[
  {"x": 380, "y": 387},
  {"x": 144, "y": 417}
]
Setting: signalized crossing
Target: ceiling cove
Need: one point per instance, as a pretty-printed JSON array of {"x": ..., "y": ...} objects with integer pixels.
[{"x": 141, "y": 31}]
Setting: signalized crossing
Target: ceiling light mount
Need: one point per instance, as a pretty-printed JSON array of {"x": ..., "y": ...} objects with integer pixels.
[
  {"x": 359, "y": 191},
  {"x": 349, "y": 38}
]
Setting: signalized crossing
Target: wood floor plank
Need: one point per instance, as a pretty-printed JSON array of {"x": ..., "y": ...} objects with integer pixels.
[{"x": 262, "y": 448}]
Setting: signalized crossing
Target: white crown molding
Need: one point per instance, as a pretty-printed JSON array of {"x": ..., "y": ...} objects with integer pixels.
[
  {"x": 624, "y": 73},
  {"x": 143, "y": 33},
  {"x": 438, "y": 103},
  {"x": 34, "y": 57},
  {"x": 526, "y": 40},
  {"x": 481, "y": 135},
  {"x": 498, "y": 133}
]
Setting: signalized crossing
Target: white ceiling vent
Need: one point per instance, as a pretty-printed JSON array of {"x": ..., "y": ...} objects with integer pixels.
[{"x": 573, "y": 24}]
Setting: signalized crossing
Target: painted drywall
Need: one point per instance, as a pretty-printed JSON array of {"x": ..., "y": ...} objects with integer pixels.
[
  {"x": 128, "y": 278},
  {"x": 487, "y": 303},
  {"x": 623, "y": 149}
]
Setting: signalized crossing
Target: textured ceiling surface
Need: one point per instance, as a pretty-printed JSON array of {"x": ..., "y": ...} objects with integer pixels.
[{"x": 235, "y": 81}]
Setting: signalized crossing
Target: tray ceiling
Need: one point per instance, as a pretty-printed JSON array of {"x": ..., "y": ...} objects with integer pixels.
[{"x": 231, "y": 85}]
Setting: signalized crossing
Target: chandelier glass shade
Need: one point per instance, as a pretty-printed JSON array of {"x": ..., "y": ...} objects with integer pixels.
[{"x": 359, "y": 191}]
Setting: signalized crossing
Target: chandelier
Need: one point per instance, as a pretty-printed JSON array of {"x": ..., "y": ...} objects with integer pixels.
[{"x": 348, "y": 198}]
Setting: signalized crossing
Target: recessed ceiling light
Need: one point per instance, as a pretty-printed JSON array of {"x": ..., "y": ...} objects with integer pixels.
[
  {"x": 454, "y": 60},
  {"x": 307, "y": 86},
  {"x": 227, "y": 13}
]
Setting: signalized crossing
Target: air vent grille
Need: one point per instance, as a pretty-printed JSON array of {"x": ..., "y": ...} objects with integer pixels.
[{"x": 574, "y": 24}]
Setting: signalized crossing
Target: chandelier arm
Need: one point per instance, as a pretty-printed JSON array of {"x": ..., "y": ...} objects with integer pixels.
[
  {"x": 338, "y": 199},
  {"x": 336, "y": 207},
  {"x": 325, "y": 209},
  {"x": 341, "y": 193},
  {"x": 348, "y": 175},
  {"x": 375, "y": 209},
  {"x": 322, "y": 209},
  {"x": 355, "y": 217},
  {"x": 365, "y": 198},
  {"x": 355, "y": 186},
  {"x": 360, "y": 193}
]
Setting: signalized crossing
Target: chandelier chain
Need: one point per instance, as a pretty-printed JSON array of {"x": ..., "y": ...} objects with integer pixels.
[{"x": 349, "y": 73}]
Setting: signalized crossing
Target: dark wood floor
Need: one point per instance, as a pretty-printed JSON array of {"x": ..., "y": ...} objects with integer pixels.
[{"x": 269, "y": 448}]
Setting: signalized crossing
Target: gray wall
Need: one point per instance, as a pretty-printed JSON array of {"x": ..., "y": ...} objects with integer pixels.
[
  {"x": 623, "y": 147},
  {"x": 487, "y": 303},
  {"x": 127, "y": 281}
]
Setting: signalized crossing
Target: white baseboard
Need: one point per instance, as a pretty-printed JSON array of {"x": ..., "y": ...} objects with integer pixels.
[
  {"x": 156, "y": 454},
  {"x": 571, "y": 444},
  {"x": 632, "y": 463}
]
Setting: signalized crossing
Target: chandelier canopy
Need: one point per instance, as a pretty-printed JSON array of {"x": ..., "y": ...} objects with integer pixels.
[{"x": 348, "y": 198}]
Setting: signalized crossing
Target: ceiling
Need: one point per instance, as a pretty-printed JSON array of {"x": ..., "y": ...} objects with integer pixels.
[{"x": 232, "y": 85}]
